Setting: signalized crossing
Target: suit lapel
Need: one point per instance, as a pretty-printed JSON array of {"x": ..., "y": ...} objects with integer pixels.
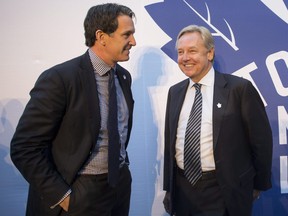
[
  {"x": 124, "y": 83},
  {"x": 179, "y": 98},
  {"x": 90, "y": 93},
  {"x": 176, "y": 103},
  {"x": 221, "y": 94}
]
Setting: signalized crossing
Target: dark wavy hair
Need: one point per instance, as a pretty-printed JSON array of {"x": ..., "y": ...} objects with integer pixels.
[{"x": 103, "y": 17}]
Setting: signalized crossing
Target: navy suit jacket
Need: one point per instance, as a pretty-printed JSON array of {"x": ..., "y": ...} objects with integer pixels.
[
  {"x": 58, "y": 130},
  {"x": 242, "y": 140}
]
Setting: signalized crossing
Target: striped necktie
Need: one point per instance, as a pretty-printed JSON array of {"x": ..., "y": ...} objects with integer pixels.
[{"x": 192, "y": 161}]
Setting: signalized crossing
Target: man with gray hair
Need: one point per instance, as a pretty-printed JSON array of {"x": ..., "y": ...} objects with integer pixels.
[{"x": 218, "y": 140}]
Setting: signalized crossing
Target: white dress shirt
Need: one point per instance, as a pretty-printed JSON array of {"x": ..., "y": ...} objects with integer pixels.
[{"x": 206, "y": 137}]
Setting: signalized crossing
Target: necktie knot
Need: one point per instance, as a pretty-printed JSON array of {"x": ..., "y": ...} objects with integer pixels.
[
  {"x": 197, "y": 86},
  {"x": 110, "y": 73}
]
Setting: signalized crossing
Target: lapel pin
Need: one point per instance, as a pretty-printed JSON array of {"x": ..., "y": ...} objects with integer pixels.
[
  {"x": 124, "y": 77},
  {"x": 219, "y": 105}
]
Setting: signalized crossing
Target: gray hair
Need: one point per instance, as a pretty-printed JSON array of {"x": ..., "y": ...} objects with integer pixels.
[{"x": 204, "y": 32}]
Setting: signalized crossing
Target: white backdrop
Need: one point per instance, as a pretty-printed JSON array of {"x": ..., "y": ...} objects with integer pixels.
[{"x": 37, "y": 34}]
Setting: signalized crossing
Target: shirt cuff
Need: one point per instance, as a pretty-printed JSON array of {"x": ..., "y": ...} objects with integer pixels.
[{"x": 61, "y": 200}]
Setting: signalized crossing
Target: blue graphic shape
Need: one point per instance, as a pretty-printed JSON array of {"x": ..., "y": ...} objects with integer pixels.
[
  {"x": 248, "y": 21},
  {"x": 245, "y": 32}
]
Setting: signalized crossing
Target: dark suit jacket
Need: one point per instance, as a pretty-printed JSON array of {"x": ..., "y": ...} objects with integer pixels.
[
  {"x": 58, "y": 130},
  {"x": 242, "y": 140}
]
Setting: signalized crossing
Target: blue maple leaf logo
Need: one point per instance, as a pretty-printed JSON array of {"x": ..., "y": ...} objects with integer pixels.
[{"x": 238, "y": 28}]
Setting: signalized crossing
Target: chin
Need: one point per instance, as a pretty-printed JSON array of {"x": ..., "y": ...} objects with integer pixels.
[
  {"x": 126, "y": 58},
  {"x": 122, "y": 60},
  {"x": 187, "y": 73}
]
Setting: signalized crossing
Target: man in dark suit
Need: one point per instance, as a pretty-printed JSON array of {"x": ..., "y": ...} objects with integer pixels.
[
  {"x": 62, "y": 142},
  {"x": 234, "y": 141}
]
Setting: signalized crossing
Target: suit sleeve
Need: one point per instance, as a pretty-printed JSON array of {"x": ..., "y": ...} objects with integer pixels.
[
  {"x": 167, "y": 158},
  {"x": 32, "y": 142},
  {"x": 260, "y": 136}
]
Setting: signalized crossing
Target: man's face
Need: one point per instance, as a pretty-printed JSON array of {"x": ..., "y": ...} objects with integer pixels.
[
  {"x": 194, "y": 59},
  {"x": 121, "y": 41}
]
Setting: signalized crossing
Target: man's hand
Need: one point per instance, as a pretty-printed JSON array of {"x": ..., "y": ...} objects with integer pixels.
[
  {"x": 256, "y": 194},
  {"x": 65, "y": 203},
  {"x": 166, "y": 202}
]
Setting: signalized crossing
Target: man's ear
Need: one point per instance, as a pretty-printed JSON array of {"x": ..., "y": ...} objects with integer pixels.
[
  {"x": 211, "y": 54},
  {"x": 101, "y": 37}
]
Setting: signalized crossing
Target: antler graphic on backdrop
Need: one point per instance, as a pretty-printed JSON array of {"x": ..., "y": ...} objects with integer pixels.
[{"x": 231, "y": 42}]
